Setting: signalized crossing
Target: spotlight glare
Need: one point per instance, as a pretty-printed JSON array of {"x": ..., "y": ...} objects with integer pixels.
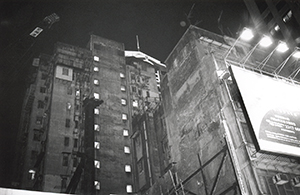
[
  {"x": 282, "y": 47},
  {"x": 296, "y": 54},
  {"x": 247, "y": 34},
  {"x": 265, "y": 41}
]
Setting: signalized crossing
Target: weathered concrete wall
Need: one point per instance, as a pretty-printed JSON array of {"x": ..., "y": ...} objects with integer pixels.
[
  {"x": 192, "y": 113},
  {"x": 112, "y": 176}
]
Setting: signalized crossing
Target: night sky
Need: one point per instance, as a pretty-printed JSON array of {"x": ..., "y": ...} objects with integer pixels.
[{"x": 159, "y": 25}]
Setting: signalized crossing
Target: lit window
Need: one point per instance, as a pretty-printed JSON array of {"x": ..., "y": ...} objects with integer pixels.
[
  {"x": 135, "y": 103},
  {"x": 96, "y": 96},
  {"x": 96, "y": 82},
  {"x": 288, "y": 16},
  {"x": 96, "y": 69},
  {"x": 123, "y": 88},
  {"x": 65, "y": 71},
  {"x": 39, "y": 120},
  {"x": 97, "y": 164},
  {"x": 97, "y": 145},
  {"x": 126, "y": 150},
  {"x": 77, "y": 93},
  {"x": 125, "y": 132},
  {"x": 31, "y": 174},
  {"x": 96, "y": 111},
  {"x": 277, "y": 28},
  {"x": 96, "y": 127},
  {"x": 123, "y": 102},
  {"x": 124, "y": 117},
  {"x": 69, "y": 105},
  {"x": 97, "y": 185},
  {"x": 122, "y": 75},
  {"x": 127, "y": 168},
  {"x": 96, "y": 58},
  {"x": 129, "y": 188}
]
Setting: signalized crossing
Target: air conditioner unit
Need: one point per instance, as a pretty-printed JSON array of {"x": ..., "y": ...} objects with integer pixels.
[
  {"x": 296, "y": 181},
  {"x": 280, "y": 179}
]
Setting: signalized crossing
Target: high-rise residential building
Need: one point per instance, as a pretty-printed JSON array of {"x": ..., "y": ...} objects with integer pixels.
[
  {"x": 64, "y": 146},
  {"x": 279, "y": 18},
  {"x": 229, "y": 120}
]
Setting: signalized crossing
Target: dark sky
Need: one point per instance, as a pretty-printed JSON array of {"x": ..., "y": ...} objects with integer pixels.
[{"x": 159, "y": 25}]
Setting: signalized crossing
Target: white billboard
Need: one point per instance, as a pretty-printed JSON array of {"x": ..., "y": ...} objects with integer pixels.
[{"x": 273, "y": 107}]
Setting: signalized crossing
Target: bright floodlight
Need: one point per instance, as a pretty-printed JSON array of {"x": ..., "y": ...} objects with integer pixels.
[
  {"x": 296, "y": 54},
  {"x": 265, "y": 41},
  {"x": 247, "y": 34},
  {"x": 282, "y": 47}
]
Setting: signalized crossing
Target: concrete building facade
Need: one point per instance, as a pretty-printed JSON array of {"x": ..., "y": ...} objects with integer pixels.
[
  {"x": 212, "y": 146},
  {"x": 55, "y": 117}
]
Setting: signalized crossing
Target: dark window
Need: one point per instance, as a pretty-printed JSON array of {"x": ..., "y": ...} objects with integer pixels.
[
  {"x": 65, "y": 160},
  {"x": 69, "y": 91},
  {"x": 43, "y": 89},
  {"x": 75, "y": 143},
  {"x": 75, "y": 162},
  {"x": 68, "y": 122},
  {"x": 133, "y": 88},
  {"x": 76, "y": 124},
  {"x": 37, "y": 134},
  {"x": 46, "y": 99},
  {"x": 34, "y": 154},
  {"x": 40, "y": 104},
  {"x": 148, "y": 94},
  {"x": 98, "y": 46},
  {"x": 140, "y": 92},
  {"x": 66, "y": 142},
  {"x": 140, "y": 165},
  {"x": 132, "y": 76},
  {"x": 44, "y": 76},
  {"x": 63, "y": 184},
  {"x": 120, "y": 52},
  {"x": 65, "y": 71}
]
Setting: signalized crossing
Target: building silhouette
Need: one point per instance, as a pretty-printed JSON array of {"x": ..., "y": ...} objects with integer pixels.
[{"x": 76, "y": 121}]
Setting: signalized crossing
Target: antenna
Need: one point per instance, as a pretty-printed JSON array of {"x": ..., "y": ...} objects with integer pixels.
[{"x": 137, "y": 43}]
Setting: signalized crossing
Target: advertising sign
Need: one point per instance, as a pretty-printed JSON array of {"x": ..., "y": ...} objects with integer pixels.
[{"x": 273, "y": 107}]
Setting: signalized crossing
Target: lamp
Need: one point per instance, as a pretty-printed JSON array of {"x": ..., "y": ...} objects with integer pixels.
[
  {"x": 246, "y": 35},
  {"x": 264, "y": 42},
  {"x": 295, "y": 53},
  {"x": 281, "y": 47}
]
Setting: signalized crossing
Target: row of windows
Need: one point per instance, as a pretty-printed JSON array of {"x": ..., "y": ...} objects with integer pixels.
[
  {"x": 39, "y": 121},
  {"x": 97, "y": 147},
  {"x": 125, "y": 131},
  {"x": 97, "y": 187},
  {"x": 67, "y": 142},
  {"x": 124, "y": 116},
  {"x": 135, "y": 103}
]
